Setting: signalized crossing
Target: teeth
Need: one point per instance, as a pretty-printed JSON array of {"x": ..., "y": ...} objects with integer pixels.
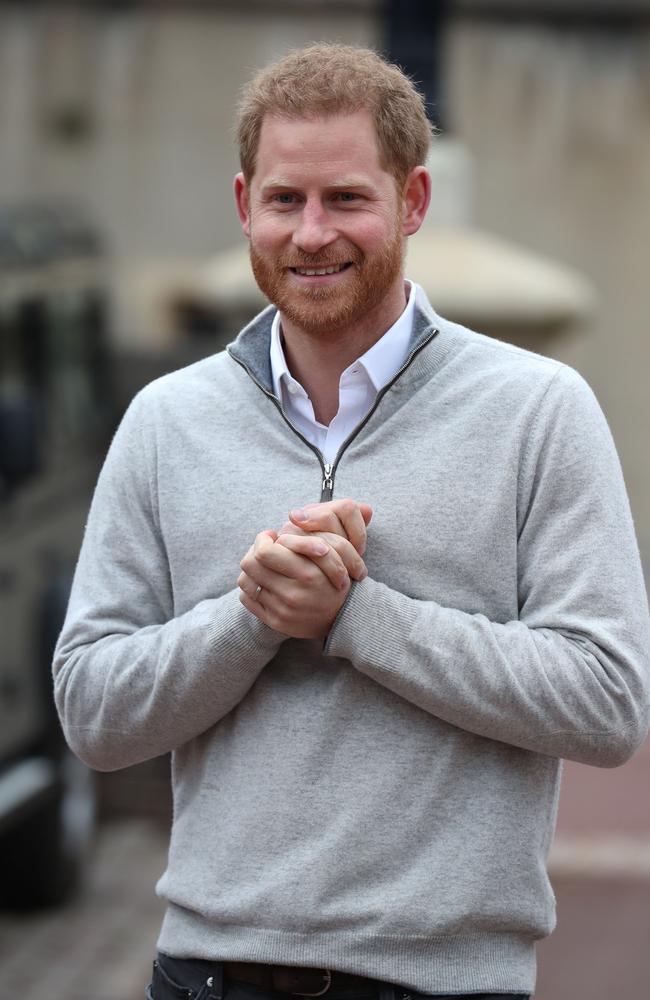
[{"x": 320, "y": 270}]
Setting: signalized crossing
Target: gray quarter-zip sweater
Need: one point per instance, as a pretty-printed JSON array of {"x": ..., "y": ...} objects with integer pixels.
[{"x": 382, "y": 804}]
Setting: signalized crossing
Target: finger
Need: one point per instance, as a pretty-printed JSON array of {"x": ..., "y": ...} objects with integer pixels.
[
  {"x": 264, "y": 537},
  {"x": 280, "y": 561},
  {"x": 316, "y": 517},
  {"x": 326, "y": 556},
  {"x": 270, "y": 597},
  {"x": 250, "y": 587},
  {"x": 312, "y": 546},
  {"x": 351, "y": 559},
  {"x": 364, "y": 508},
  {"x": 255, "y": 607},
  {"x": 355, "y": 527},
  {"x": 254, "y": 573},
  {"x": 263, "y": 544},
  {"x": 366, "y": 512},
  {"x": 343, "y": 517},
  {"x": 352, "y": 562},
  {"x": 289, "y": 528}
]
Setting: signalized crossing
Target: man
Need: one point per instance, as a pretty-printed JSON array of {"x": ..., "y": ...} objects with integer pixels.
[{"x": 366, "y": 753}]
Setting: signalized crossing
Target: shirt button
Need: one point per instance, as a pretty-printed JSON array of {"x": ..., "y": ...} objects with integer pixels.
[{"x": 293, "y": 388}]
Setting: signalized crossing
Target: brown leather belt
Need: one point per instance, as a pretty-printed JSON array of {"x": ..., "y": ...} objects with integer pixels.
[{"x": 303, "y": 982}]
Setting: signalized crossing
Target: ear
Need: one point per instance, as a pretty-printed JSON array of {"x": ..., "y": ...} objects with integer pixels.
[
  {"x": 241, "y": 201},
  {"x": 416, "y": 195}
]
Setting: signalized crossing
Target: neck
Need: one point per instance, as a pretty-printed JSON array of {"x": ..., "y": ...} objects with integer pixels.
[{"x": 317, "y": 361}]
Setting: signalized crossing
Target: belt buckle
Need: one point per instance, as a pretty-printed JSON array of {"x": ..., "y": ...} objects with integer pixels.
[{"x": 328, "y": 982}]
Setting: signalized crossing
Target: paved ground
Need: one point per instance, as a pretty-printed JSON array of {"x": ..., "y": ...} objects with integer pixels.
[
  {"x": 601, "y": 947},
  {"x": 600, "y": 866},
  {"x": 100, "y": 948}
]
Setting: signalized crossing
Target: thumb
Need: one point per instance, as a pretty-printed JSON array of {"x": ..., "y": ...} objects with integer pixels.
[{"x": 366, "y": 512}]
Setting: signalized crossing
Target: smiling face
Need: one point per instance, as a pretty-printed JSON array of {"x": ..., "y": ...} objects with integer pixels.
[{"x": 326, "y": 223}]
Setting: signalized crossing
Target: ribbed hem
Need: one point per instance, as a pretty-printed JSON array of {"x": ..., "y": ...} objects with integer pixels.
[{"x": 472, "y": 963}]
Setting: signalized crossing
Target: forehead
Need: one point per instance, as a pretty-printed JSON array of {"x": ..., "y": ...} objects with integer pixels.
[{"x": 328, "y": 142}]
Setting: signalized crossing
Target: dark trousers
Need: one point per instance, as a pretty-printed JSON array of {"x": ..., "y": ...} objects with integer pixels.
[{"x": 182, "y": 979}]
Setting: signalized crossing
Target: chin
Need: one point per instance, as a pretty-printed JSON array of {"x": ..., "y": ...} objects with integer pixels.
[{"x": 318, "y": 314}]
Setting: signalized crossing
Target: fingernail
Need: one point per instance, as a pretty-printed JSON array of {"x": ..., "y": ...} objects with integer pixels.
[
  {"x": 299, "y": 515},
  {"x": 364, "y": 574},
  {"x": 320, "y": 548}
]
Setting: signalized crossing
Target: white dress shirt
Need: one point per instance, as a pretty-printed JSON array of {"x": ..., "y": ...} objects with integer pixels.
[{"x": 358, "y": 385}]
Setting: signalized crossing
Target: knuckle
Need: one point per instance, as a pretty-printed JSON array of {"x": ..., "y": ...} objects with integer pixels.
[
  {"x": 293, "y": 600},
  {"x": 273, "y": 620}
]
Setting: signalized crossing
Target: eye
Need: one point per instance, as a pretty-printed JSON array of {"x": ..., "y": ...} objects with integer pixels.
[
  {"x": 347, "y": 196},
  {"x": 285, "y": 198}
]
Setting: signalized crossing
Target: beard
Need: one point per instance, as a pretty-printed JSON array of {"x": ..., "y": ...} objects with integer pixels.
[{"x": 319, "y": 311}]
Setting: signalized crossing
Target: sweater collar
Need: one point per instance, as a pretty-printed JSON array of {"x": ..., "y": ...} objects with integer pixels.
[{"x": 252, "y": 348}]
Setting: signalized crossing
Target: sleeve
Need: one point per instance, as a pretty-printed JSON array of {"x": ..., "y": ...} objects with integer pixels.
[
  {"x": 570, "y": 677},
  {"x": 130, "y": 680}
]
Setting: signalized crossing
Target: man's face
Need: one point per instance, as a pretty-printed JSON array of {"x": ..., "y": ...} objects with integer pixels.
[{"x": 319, "y": 199}]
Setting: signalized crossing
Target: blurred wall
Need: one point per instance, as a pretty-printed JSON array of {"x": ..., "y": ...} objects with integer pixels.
[
  {"x": 132, "y": 111},
  {"x": 557, "y": 118}
]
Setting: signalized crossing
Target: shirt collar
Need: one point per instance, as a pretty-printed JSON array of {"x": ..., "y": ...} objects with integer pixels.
[
  {"x": 383, "y": 359},
  {"x": 380, "y": 362}
]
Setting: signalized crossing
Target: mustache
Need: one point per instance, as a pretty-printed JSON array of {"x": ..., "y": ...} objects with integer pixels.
[{"x": 346, "y": 255}]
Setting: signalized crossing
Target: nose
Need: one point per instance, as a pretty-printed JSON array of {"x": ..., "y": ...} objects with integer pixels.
[{"x": 314, "y": 230}]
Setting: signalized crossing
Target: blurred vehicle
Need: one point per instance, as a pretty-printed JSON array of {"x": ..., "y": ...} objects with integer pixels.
[{"x": 56, "y": 418}]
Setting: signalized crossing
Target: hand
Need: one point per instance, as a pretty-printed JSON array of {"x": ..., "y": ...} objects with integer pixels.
[
  {"x": 352, "y": 562},
  {"x": 341, "y": 523},
  {"x": 298, "y": 596},
  {"x": 345, "y": 518}
]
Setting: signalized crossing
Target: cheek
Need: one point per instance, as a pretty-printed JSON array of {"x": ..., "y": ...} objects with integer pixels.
[
  {"x": 269, "y": 234},
  {"x": 374, "y": 234}
]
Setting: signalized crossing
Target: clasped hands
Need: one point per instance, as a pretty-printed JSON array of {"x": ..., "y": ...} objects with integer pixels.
[{"x": 295, "y": 580}]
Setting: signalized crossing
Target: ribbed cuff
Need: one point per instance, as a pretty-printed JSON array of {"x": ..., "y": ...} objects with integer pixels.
[
  {"x": 240, "y": 636},
  {"x": 371, "y": 625}
]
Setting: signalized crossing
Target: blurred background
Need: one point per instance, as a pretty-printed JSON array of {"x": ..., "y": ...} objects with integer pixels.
[{"x": 121, "y": 258}]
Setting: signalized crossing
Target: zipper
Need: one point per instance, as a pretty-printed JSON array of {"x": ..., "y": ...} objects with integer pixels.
[
  {"x": 329, "y": 470},
  {"x": 276, "y": 402},
  {"x": 327, "y": 487},
  {"x": 328, "y": 481}
]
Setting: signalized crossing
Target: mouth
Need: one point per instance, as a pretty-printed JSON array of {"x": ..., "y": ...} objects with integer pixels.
[{"x": 312, "y": 272}]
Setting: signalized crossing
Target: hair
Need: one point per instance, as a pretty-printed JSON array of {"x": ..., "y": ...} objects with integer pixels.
[{"x": 329, "y": 78}]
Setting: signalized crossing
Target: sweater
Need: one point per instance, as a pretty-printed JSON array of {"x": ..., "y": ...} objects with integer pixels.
[{"x": 382, "y": 803}]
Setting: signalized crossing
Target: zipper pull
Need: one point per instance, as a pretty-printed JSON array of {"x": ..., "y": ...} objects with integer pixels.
[{"x": 328, "y": 484}]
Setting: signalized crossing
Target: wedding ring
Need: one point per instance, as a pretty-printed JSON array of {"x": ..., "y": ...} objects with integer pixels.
[{"x": 258, "y": 591}]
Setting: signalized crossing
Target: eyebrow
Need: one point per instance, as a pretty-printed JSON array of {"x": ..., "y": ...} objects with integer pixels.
[{"x": 345, "y": 183}]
